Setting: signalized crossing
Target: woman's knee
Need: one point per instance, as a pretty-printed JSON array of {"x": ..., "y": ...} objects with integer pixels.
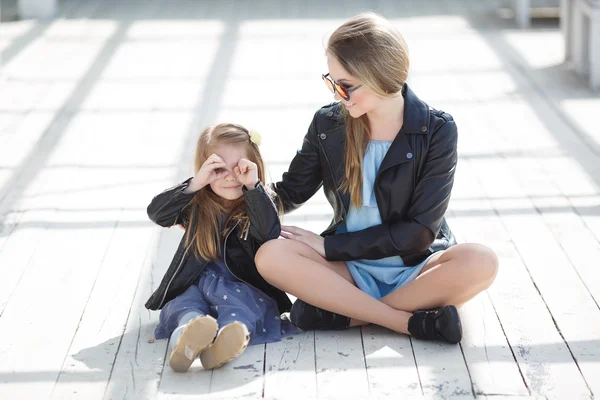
[
  {"x": 481, "y": 261},
  {"x": 268, "y": 255}
]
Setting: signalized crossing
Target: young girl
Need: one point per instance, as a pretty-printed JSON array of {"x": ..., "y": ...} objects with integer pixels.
[{"x": 212, "y": 288}]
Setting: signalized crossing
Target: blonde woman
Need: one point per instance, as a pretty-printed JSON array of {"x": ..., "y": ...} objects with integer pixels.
[{"x": 386, "y": 161}]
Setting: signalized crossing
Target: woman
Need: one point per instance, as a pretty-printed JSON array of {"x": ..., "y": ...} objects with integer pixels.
[{"x": 386, "y": 161}]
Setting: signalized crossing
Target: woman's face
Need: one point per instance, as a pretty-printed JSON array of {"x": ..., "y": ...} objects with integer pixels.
[{"x": 362, "y": 100}]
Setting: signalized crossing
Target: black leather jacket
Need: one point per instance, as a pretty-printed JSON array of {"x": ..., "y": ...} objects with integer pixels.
[
  {"x": 172, "y": 207},
  {"x": 412, "y": 186}
]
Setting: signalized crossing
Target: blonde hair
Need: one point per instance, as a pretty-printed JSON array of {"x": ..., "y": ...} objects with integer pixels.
[
  {"x": 373, "y": 51},
  {"x": 207, "y": 208}
]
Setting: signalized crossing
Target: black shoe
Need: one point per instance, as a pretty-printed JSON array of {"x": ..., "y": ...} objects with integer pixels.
[
  {"x": 309, "y": 318},
  {"x": 441, "y": 324}
]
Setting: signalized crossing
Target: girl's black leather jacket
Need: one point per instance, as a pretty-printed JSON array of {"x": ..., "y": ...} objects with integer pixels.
[{"x": 172, "y": 207}]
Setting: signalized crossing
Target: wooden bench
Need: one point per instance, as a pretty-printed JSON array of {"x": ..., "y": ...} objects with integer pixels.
[
  {"x": 37, "y": 8},
  {"x": 582, "y": 38},
  {"x": 522, "y": 9}
]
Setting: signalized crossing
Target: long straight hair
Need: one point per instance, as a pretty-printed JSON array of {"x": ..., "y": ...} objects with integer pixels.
[
  {"x": 207, "y": 209},
  {"x": 374, "y": 52}
]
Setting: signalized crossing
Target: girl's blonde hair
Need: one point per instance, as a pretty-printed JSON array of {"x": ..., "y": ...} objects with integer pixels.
[
  {"x": 207, "y": 208},
  {"x": 373, "y": 51}
]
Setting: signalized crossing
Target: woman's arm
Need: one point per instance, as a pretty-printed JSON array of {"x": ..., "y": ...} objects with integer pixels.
[
  {"x": 264, "y": 220},
  {"x": 168, "y": 208},
  {"x": 425, "y": 215},
  {"x": 303, "y": 178}
]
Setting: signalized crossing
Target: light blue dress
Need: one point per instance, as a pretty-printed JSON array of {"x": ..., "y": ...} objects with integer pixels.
[{"x": 375, "y": 277}]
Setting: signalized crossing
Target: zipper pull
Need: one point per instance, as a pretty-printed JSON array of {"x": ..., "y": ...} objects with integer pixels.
[{"x": 245, "y": 230}]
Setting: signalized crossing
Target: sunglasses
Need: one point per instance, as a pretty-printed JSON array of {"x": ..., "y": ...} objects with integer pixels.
[{"x": 343, "y": 91}]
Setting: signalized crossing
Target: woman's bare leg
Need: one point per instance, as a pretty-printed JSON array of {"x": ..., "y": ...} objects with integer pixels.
[
  {"x": 453, "y": 276},
  {"x": 297, "y": 269},
  {"x": 340, "y": 268}
]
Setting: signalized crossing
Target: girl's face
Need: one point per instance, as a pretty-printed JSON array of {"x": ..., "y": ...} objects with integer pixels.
[
  {"x": 229, "y": 187},
  {"x": 362, "y": 100}
]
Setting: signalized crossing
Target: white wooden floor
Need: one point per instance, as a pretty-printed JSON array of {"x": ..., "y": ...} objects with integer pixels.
[{"x": 100, "y": 108}]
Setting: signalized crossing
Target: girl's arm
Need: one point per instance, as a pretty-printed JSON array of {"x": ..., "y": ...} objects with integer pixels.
[
  {"x": 170, "y": 207},
  {"x": 264, "y": 219},
  {"x": 425, "y": 215}
]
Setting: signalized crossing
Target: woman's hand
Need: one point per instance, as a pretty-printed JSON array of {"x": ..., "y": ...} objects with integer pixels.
[
  {"x": 213, "y": 168},
  {"x": 246, "y": 173},
  {"x": 316, "y": 242}
]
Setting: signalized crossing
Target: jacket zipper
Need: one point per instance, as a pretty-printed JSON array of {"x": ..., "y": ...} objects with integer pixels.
[
  {"x": 183, "y": 258},
  {"x": 333, "y": 228},
  {"x": 173, "y": 276},
  {"x": 225, "y": 252}
]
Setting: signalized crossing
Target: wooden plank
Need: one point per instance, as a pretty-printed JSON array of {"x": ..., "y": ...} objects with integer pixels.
[
  {"x": 138, "y": 365},
  {"x": 537, "y": 345},
  {"x": 23, "y": 234},
  {"x": 88, "y": 364},
  {"x": 341, "y": 370},
  {"x": 542, "y": 356},
  {"x": 290, "y": 367},
  {"x": 581, "y": 334},
  {"x": 391, "y": 369},
  {"x": 491, "y": 363},
  {"x": 18, "y": 141},
  {"x": 442, "y": 369},
  {"x": 489, "y": 358},
  {"x": 502, "y": 397},
  {"x": 243, "y": 377},
  {"x": 552, "y": 269},
  {"x": 59, "y": 279}
]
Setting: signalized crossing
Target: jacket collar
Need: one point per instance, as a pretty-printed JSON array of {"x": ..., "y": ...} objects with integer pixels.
[
  {"x": 416, "y": 121},
  {"x": 416, "y": 113}
]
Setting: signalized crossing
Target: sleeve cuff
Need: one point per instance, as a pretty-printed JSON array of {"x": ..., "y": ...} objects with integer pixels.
[
  {"x": 245, "y": 189},
  {"x": 184, "y": 185}
]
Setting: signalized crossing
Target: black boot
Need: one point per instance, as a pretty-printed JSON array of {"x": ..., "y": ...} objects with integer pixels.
[
  {"x": 441, "y": 324},
  {"x": 308, "y": 318}
]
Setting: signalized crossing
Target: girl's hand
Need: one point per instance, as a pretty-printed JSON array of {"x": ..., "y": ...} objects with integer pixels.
[
  {"x": 316, "y": 242},
  {"x": 212, "y": 169},
  {"x": 247, "y": 173}
]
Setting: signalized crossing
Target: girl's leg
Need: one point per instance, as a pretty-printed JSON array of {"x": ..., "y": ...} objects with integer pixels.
[
  {"x": 190, "y": 302},
  {"x": 297, "y": 269},
  {"x": 230, "y": 343},
  {"x": 196, "y": 335},
  {"x": 194, "y": 328}
]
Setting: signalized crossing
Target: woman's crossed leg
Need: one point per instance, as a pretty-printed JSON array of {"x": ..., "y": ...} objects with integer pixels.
[{"x": 450, "y": 277}]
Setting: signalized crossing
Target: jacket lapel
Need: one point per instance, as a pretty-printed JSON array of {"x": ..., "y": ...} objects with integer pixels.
[{"x": 398, "y": 153}]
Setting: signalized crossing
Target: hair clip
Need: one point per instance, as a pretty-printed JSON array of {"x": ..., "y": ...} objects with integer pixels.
[{"x": 254, "y": 137}]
